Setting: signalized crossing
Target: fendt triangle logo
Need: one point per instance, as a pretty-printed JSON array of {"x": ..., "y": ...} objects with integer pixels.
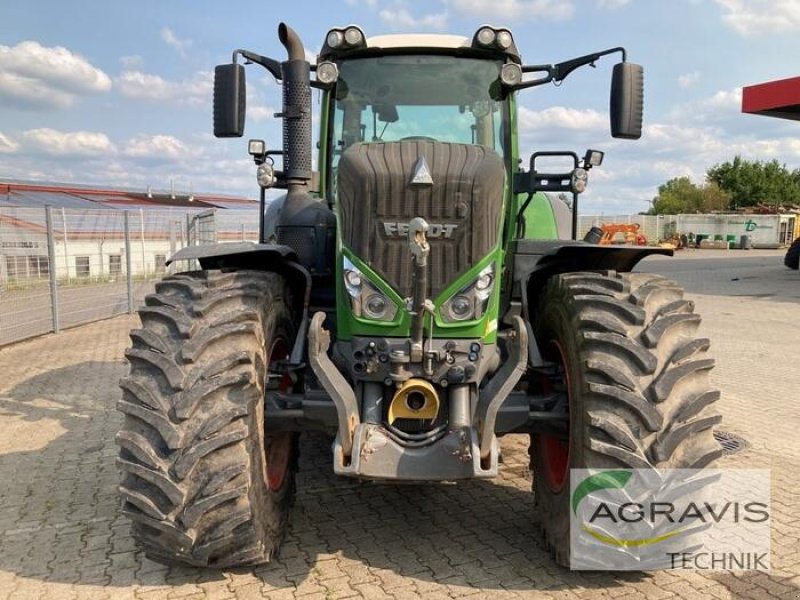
[
  {"x": 641, "y": 519},
  {"x": 422, "y": 174}
]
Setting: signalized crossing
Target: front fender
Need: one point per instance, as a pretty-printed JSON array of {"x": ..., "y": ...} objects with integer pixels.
[
  {"x": 240, "y": 255},
  {"x": 257, "y": 257},
  {"x": 535, "y": 261}
]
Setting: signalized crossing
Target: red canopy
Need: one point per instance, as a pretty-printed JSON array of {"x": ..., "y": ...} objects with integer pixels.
[{"x": 773, "y": 99}]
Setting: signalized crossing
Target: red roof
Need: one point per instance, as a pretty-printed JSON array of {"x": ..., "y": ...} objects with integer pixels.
[
  {"x": 22, "y": 193},
  {"x": 773, "y": 99}
]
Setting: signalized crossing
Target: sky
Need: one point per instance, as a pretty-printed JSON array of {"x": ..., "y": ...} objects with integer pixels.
[{"x": 119, "y": 93}]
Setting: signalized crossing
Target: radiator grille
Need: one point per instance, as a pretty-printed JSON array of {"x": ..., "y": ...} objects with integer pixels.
[{"x": 374, "y": 188}]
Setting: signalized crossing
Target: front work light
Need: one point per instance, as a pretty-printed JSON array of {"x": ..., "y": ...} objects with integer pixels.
[
  {"x": 265, "y": 175},
  {"x": 343, "y": 39},
  {"x": 593, "y": 158},
  {"x": 327, "y": 72},
  {"x": 353, "y": 36},
  {"x": 334, "y": 39},
  {"x": 497, "y": 39},
  {"x": 486, "y": 36},
  {"x": 504, "y": 39},
  {"x": 511, "y": 74},
  {"x": 256, "y": 148},
  {"x": 578, "y": 181}
]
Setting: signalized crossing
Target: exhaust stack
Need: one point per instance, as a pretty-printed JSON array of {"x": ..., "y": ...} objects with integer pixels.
[
  {"x": 304, "y": 223},
  {"x": 296, "y": 113}
]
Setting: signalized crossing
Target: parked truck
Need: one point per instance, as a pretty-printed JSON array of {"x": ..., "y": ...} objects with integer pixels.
[{"x": 416, "y": 297}]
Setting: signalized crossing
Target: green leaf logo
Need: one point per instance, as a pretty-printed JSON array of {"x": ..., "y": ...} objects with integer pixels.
[
  {"x": 601, "y": 481},
  {"x": 611, "y": 480}
]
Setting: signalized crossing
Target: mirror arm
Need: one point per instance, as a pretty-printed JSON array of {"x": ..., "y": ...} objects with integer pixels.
[
  {"x": 559, "y": 71},
  {"x": 562, "y": 69},
  {"x": 270, "y": 64},
  {"x": 546, "y": 78}
]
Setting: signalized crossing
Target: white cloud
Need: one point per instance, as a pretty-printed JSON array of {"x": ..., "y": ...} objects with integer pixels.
[
  {"x": 7, "y": 145},
  {"x": 553, "y": 10},
  {"x": 173, "y": 41},
  {"x": 145, "y": 86},
  {"x": 401, "y": 18},
  {"x": 754, "y": 17},
  {"x": 161, "y": 147},
  {"x": 133, "y": 61},
  {"x": 259, "y": 112},
  {"x": 29, "y": 94},
  {"x": 722, "y": 109},
  {"x": 35, "y": 76},
  {"x": 687, "y": 80},
  {"x": 561, "y": 117},
  {"x": 725, "y": 99},
  {"x": 67, "y": 144},
  {"x": 199, "y": 162},
  {"x": 612, "y": 4}
]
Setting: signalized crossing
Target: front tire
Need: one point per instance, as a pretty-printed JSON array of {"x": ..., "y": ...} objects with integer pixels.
[
  {"x": 635, "y": 376},
  {"x": 202, "y": 482}
]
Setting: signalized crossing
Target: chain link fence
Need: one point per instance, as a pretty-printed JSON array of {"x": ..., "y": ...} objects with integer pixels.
[{"x": 63, "y": 267}]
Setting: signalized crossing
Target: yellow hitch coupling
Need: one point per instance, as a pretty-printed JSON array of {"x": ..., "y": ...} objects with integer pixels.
[{"x": 414, "y": 399}]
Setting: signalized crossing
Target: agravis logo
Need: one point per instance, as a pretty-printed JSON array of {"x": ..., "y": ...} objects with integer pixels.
[
  {"x": 640, "y": 519},
  {"x": 611, "y": 480}
]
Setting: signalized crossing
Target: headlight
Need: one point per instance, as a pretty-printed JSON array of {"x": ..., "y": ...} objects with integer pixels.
[
  {"x": 366, "y": 300},
  {"x": 470, "y": 303},
  {"x": 376, "y": 306}
]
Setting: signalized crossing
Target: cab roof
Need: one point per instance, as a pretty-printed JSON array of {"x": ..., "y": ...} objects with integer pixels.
[{"x": 418, "y": 40}]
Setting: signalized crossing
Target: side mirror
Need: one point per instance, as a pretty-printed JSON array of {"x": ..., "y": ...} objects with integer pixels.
[
  {"x": 229, "y": 100},
  {"x": 386, "y": 113},
  {"x": 627, "y": 101}
]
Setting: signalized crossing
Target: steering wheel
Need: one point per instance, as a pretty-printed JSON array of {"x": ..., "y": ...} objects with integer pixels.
[{"x": 418, "y": 138}]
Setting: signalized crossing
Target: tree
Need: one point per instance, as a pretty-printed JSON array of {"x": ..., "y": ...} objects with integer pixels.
[
  {"x": 750, "y": 182},
  {"x": 680, "y": 195}
]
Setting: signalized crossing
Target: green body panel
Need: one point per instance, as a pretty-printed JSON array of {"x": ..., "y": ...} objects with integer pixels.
[
  {"x": 540, "y": 225},
  {"x": 540, "y": 222},
  {"x": 349, "y": 325}
]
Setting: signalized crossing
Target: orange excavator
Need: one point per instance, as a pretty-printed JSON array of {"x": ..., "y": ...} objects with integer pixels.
[{"x": 630, "y": 232}]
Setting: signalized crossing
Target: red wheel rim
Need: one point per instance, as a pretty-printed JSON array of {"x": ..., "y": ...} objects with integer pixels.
[
  {"x": 279, "y": 445},
  {"x": 279, "y": 450},
  {"x": 554, "y": 451}
]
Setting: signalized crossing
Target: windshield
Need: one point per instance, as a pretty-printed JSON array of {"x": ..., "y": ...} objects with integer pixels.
[{"x": 445, "y": 98}]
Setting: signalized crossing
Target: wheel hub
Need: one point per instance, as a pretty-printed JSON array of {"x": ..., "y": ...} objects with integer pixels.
[{"x": 278, "y": 446}]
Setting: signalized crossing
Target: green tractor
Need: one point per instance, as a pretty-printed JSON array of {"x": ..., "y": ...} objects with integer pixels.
[{"x": 417, "y": 297}]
